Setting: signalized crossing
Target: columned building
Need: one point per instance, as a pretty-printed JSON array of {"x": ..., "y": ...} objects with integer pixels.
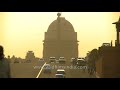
[{"x": 60, "y": 40}]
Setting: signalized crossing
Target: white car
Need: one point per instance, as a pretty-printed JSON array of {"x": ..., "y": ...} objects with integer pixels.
[
  {"x": 62, "y": 60},
  {"x": 52, "y": 59},
  {"x": 81, "y": 58},
  {"x": 61, "y": 71},
  {"x": 81, "y": 61}
]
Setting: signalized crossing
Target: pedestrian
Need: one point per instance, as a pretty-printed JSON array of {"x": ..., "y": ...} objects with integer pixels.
[{"x": 4, "y": 65}]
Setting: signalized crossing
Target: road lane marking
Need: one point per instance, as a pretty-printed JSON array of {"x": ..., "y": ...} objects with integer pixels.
[{"x": 41, "y": 70}]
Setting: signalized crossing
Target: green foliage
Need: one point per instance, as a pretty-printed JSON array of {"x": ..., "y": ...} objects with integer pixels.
[{"x": 94, "y": 55}]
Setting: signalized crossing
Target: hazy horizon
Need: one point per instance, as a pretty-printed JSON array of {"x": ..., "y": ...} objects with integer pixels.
[{"x": 24, "y": 31}]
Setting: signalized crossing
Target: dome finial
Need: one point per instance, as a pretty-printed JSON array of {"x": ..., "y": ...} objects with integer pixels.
[{"x": 58, "y": 14}]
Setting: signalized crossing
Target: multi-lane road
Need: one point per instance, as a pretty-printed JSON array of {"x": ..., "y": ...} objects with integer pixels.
[
  {"x": 25, "y": 70},
  {"x": 71, "y": 71},
  {"x": 35, "y": 70}
]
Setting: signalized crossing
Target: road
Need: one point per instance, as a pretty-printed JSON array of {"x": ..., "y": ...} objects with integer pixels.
[
  {"x": 25, "y": 70},
  {"x": 71, "y": 71},
  {"x": 34, "y": 70}
]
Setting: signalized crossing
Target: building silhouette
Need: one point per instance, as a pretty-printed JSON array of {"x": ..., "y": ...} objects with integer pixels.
[
  {"x": 60, "y": 40},
  {"x": 30, "y": 56},
  {"x": 108, "y": 64}
]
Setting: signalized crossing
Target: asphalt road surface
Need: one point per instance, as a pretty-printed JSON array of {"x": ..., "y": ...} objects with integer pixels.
[
  {"x": 34, "y": 70},
  {"x": 72, "y": 71},
  {"x": 25, "y": 70}
]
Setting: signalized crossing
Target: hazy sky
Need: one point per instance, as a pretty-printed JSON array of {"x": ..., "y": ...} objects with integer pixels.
[{"x": 23, "y": 31}]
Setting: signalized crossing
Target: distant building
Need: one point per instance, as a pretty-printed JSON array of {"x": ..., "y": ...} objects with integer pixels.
[
  {"x": 30, "y": 56},
  {"x": 60, "y": 40}
]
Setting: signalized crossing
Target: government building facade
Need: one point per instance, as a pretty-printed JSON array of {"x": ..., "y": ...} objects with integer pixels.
[{"x": 60, "y": 40}]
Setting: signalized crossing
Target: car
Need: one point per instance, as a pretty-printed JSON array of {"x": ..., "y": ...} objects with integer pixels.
[
  {"x": 57, "y": 61},
  {"x": 41, "y": 60},
  {"x": 62, "y": 60},
  {"x": 61, "y": 71},
  {"x": 52, "y": 59},
  {"x": 106, "y": 45},
  {"x": 74, "y": 61},
  {"x": 47, "y": 68},
  {"x": 59, "y": 76},
  {"x": 80, "y": 58},
  {"x": 81, "y": 62}
]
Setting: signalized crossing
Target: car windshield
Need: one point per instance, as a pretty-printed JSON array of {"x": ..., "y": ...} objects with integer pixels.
[
  {"x": 59, "y": 76},
  {"x": 60, "y": 72},
  {"x": 61, "y": 57},
  {"x": 73, "y": 58},
  {"x": 80, "y": 61},
  {"x": 52, "y": 57}
]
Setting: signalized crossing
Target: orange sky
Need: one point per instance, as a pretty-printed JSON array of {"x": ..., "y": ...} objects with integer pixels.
[{"x": 23, "y": 31}]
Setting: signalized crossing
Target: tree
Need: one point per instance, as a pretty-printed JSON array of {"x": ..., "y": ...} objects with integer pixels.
[{"x": 92, "y": 58}]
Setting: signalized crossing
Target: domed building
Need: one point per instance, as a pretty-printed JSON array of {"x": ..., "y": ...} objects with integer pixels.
[{"x": 60, "y": 40}]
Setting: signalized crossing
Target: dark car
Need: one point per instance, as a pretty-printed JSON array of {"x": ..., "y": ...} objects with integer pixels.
[
  {"x": 74, "y": 61},
  {"x": 59, "y": 76},
  {"x": 47, "y": 68}
]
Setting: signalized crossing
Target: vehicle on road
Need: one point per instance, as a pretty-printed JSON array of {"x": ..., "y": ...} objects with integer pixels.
[
  {"x": 62, "y": 60},
  {"x": 61, "y": 71},
  {"x": 81, "y": 62},
  {"x": 52, "y": 59},
  {"x": 59, "y": 76},
  {"x": 47, "y": 68},
  {"x": 74, "y": 61},
  {"x": 41, "y": 60},
  {"x": 57, "y": 61}
]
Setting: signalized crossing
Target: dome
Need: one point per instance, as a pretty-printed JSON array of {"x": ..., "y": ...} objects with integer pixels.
[{"x": 62, "y": 24}]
